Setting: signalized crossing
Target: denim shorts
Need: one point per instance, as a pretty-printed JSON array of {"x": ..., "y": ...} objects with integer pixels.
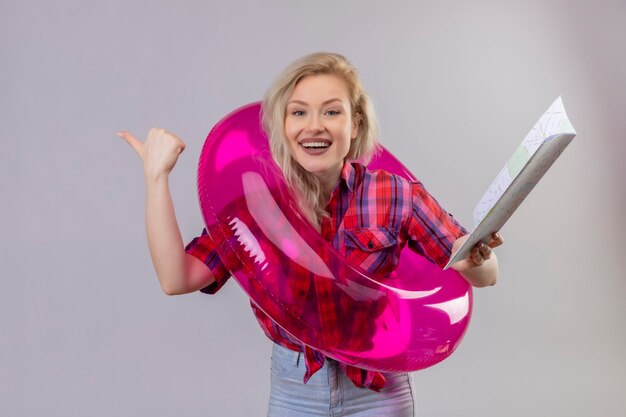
[{"x": 329, "y": 392}]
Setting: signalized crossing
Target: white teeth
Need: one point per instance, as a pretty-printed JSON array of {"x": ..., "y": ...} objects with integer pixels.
[{"x": 316, "y": 145}]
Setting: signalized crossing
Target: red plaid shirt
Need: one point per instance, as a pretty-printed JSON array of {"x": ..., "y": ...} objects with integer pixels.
[{"x": 373, "y": 214}]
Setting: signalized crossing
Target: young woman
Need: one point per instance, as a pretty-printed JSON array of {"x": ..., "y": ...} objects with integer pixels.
[{"x": 322, "y": 130}]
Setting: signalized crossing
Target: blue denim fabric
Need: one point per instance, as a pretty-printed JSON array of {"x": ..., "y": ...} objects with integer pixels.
[{"x": 329, "y": 392}]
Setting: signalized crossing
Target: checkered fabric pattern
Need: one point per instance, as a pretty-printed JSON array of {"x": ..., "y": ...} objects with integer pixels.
[{"x": 373, "y": 215}]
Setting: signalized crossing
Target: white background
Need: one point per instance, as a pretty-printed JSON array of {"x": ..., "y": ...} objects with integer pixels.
[{"x": 84, "y": 327}]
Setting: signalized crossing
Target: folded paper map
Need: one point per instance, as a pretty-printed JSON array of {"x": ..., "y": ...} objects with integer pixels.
[{"x": 532, "y": 158}]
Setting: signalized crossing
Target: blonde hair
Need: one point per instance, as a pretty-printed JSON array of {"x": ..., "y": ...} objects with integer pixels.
[{"x": 303, "y": 184}]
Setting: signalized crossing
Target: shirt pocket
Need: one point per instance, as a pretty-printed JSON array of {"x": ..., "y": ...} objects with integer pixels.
[{"x": 372, "y": 248}]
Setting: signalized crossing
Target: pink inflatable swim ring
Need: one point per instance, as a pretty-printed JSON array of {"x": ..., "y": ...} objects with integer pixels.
[{"x": 408, "y": 321}]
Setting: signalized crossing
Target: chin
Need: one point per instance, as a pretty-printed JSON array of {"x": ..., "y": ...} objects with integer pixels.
[{"x": 312, "y": 167}]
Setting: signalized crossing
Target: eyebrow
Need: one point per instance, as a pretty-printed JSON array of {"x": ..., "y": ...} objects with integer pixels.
[{"x": 305, "y": 103}]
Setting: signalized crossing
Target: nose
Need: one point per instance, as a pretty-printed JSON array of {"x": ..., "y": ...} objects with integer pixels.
[{"x": 315, "y": 123}]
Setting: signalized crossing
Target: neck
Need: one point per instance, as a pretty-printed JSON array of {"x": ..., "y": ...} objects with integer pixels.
[{"x": 328, "y": 182}]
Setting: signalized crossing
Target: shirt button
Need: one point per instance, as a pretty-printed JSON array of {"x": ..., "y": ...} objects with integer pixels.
[{"x": 370, "y": 244}]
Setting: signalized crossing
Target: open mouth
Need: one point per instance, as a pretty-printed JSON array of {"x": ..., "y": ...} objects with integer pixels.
[
  {"x": 312, "y": 145},
  {"x": 315, "y": 145}
]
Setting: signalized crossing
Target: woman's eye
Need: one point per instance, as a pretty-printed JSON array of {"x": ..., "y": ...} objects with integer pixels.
[
  {"x": 297, "y": 113},
  {"x": 333, "y": 112}
]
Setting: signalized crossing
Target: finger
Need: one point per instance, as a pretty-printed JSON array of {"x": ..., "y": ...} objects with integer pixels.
[
  {"x": 477, "y": 257},
  {"x": 179, "y": 141},
  {"x": 485, "y": 250},
  {"x": 132, "y": 141},
  {"x": 496, "y": 240}
]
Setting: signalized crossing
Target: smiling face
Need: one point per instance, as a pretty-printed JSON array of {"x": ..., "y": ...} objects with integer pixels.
[{"x": 319, "y": 126}]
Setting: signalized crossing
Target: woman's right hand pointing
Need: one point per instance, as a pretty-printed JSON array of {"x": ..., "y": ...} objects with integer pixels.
[{"x": 159, "y": 152}]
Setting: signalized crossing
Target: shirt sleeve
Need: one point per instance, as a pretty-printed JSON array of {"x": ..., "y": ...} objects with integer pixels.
[
  {"x": 203, "y": 248},
  {"x": 431, "y": 230}
]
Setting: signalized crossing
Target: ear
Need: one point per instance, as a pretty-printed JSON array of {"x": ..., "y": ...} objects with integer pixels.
[{"x": 356, "y": 123}]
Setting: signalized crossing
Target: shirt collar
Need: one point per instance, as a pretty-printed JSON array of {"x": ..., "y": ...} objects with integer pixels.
[{"x": 349, "y": 175}]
